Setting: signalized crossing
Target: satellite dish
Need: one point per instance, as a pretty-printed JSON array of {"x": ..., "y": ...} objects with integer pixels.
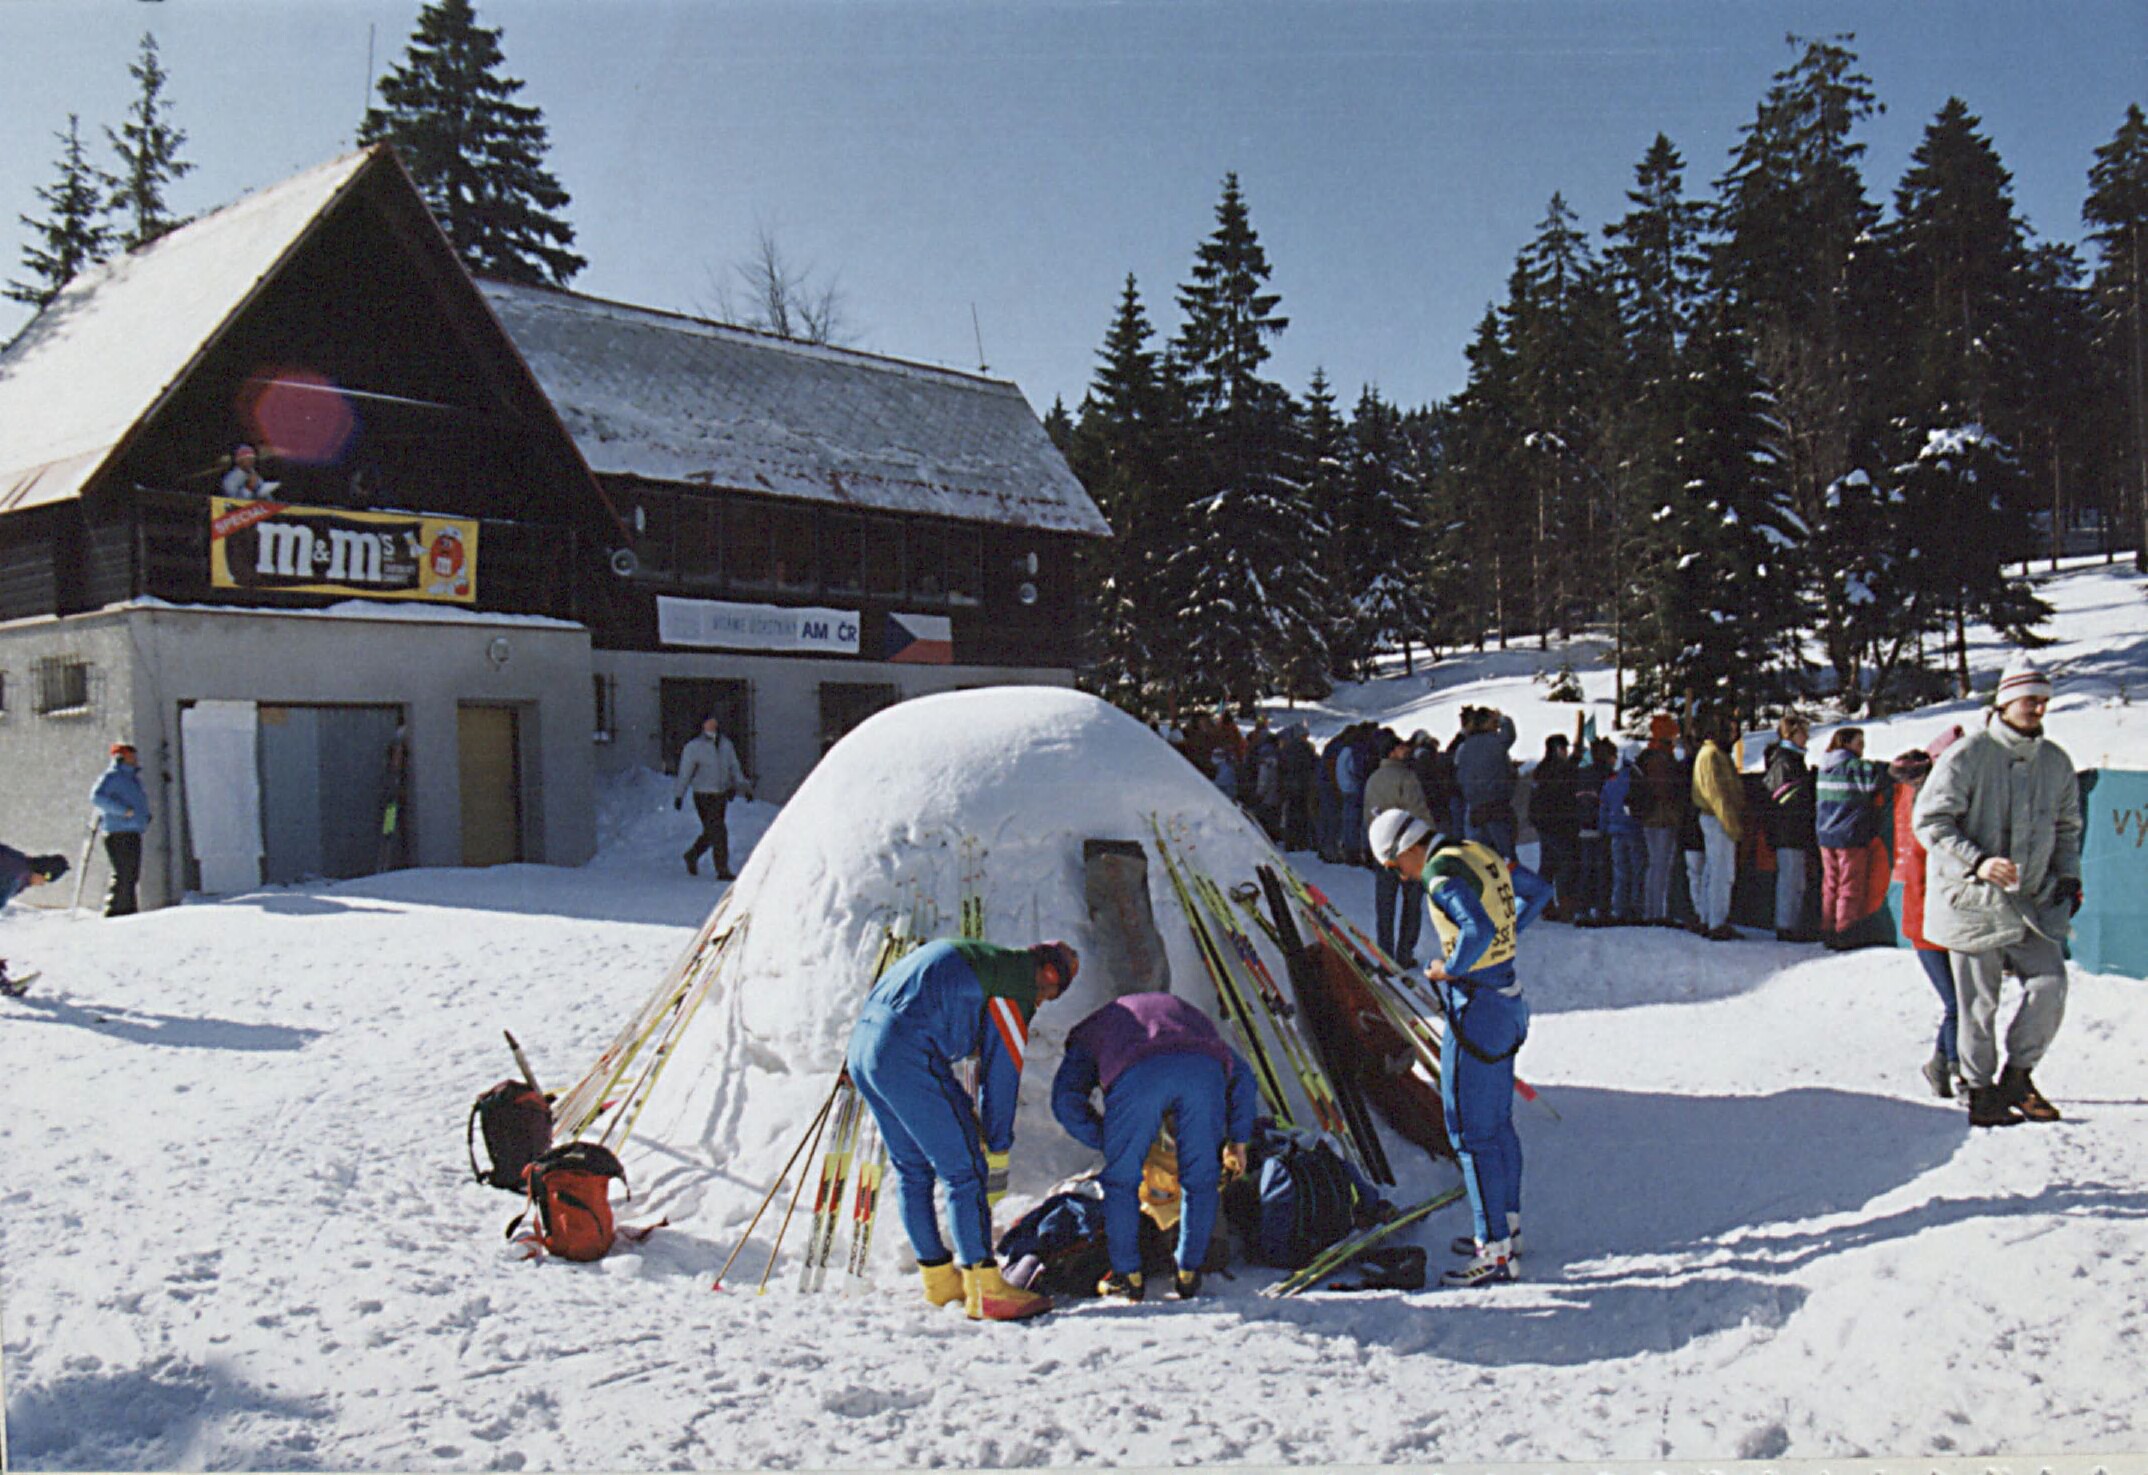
[
  {"x": 624, "y": 563},
  {"x": 1027, "y": 593},
  {"x": 1026, "y": 563}
]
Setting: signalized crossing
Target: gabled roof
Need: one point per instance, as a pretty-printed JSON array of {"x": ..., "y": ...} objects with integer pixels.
[
  {"x": 87, "y": 369},
  {"x": 669, "y": 398}
]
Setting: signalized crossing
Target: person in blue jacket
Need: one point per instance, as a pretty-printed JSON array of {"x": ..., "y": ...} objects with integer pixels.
[
  {"x": 1154, "y": 1055},
  {"x": 1479, "y": 903},
  {"x": 1622, "y": 827},
  {"x": 123, "y": 808},
  {"x": 948, "y": 1001},
  {"x": 18, "y": 872}
]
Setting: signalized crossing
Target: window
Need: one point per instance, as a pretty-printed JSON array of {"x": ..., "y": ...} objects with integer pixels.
[
  {"x": 845, "y": 704},
  {"x": 842, "y": 552},
  {"x": 62, "y": 686},
  {"x": 3, "y": 693},
  {"x": 652, "y": 516},
  {"x": 746, "y": 540},
  {"x": 797, "y": 566},
  {"x": 883, "y": 557},
  {"x": 928, "y": 562},
  {"x": 965, "y": 565},
  {"x": 605, "y": 728},
  {"x": 700, "y": 542}
]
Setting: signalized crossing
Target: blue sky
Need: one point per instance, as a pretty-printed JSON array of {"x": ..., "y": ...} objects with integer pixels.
[{"x": 1020, "y": 157}]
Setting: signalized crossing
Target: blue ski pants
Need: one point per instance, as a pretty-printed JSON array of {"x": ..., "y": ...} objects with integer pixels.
[
  {"x": 930, "y": 1130},
  {"x": 1939, "y": 968},
  {"x": 1479, "y": 1100},
  {"x": 1190, "y": 1085}
]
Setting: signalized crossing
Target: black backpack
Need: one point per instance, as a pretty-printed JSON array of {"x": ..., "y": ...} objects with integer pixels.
[{"x": 517, "y": 1121}]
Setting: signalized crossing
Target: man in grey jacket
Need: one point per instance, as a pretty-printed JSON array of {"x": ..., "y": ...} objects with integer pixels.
[
  {"x": 710, "y": 770},
  {"x": 2000, "y": 820},
  {"x": 1394, "y": 785}
]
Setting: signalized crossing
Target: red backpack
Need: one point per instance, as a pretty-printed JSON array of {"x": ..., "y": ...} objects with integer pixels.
[{"x": 570, "y": 1188}]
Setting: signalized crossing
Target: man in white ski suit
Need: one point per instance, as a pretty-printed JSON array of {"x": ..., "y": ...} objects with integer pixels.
[
  {"x": 2000, "y": 820},
  {"x": 709, "y": 768}
]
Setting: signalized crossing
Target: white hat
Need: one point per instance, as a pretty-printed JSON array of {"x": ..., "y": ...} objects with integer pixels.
[
  {"x": 1393, "y": 831},
  {"x": 2022, "y": 679}
]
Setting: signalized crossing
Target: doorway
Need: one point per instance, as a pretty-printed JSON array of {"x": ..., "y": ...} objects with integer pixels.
[{"x": 488, "y": 745}]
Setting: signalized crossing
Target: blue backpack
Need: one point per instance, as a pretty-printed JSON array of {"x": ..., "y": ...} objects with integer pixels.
[{"x": 1298, "y": 1197}]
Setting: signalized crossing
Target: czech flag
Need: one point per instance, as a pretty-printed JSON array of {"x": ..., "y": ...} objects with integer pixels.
[{"x": 920, "y": 640}]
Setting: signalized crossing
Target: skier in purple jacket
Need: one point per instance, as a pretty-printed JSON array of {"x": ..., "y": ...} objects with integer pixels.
[{"x": 1155, "y": 1055}]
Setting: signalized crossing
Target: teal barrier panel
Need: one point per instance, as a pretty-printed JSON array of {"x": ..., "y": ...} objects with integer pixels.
[{"x": 2111, "y": 933}]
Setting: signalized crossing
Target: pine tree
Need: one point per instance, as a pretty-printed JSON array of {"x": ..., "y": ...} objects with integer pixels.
[
  {"x": 74, "y": 235},
  {"x": 1331, "y": 494},
  {"x": 1962, "y": 255},
  {"x": 475, "y": 154},
  {"x": 2117, "y": 211},
  {"x": 1558, "y": 324},
  {"x": 1390, "y": 603},
  {"x": 1718, "y": 559},
  {"x": 1958, "y": 495},
  {"x": 1125, "y": 450},
  {"x": 148, "y": 148},
  {"x": 1657, "y": 272},
  {"x": 1254, "y": 599},
  {"x": 1479, "y": 484},
  {"x": 1795, "y": 261}
]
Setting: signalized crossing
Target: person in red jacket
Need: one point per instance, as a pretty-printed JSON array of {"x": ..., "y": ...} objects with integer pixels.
[{"x": 1910, "y": 770}]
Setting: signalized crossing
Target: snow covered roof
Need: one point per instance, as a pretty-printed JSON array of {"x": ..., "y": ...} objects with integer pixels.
[
  {"x": 671, "y": 398},
  {"x": 86, "y": 370}
]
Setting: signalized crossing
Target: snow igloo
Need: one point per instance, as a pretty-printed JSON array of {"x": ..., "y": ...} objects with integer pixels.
[{"x": 991, "y": 793}]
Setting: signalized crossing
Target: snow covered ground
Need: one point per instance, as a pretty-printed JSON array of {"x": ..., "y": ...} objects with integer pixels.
[{"x": 237, "y": 1230}]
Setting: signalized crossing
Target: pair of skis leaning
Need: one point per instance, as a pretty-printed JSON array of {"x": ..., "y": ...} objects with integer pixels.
[{"x": 1322, "y": 1069}]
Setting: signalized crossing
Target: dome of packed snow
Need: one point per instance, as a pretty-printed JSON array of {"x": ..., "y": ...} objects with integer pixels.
[{"x": 988, "y": 795}]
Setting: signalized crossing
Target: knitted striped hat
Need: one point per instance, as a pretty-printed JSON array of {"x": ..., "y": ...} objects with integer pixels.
[{"x": 2021, "y": 679}]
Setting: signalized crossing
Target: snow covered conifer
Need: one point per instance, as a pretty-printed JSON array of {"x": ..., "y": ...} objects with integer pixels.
[
  {"x": 74, "y": 235},
  {"x": 2117, "y": 209},
  {"x": 475, "y": 154},
  {"x": 1392, "y": 604},
  {"x": 1124, "y": 448},
  {"x": 1253, "y": 597},
  {"x": 148, "y": 145}
]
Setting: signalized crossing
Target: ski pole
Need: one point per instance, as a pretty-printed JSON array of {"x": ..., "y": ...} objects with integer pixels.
[
  {"x": 784, "y": 1227},
  {"x": 768, "y": 1198},
  {"x": 522, "y": 1061},
  {"x": 89, "y": 844}
]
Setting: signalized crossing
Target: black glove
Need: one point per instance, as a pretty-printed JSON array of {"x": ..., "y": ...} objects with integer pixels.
[
  {"x": 678, "y": 801},
  {"x": 2067, "y": 889}
]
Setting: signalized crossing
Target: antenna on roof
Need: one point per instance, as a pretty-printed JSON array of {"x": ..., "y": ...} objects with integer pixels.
[
  {"x": 367, "y": 106},
  {"x": 982, "y": 366}
]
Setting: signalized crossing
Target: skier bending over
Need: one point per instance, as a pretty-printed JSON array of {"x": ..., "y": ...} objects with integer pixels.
[
  {"x": 945, "y": 1002},
  {"x": 1470, "y": 896},
  {"x": 18, "y": 871},
  {"x": 1155, "y": 1054}
]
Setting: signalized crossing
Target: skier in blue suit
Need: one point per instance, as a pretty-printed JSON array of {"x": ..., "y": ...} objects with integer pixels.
[
  {"x": 1155, "y": 1054},
  {"x": 1471, "y": 895},
  {"x": 948, "y": 1001}
]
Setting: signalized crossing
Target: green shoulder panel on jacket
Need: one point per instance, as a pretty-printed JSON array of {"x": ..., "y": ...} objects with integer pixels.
[{"x": 1003, "y": 972}]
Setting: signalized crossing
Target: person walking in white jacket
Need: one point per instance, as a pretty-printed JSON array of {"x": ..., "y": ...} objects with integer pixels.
[
  {"x": 2000, "y": 821},
  {"x": 709, "y": 769}
]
